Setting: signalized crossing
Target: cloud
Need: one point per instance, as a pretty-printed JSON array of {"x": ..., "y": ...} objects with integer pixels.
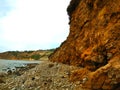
[
  {"x": 6, "y": 6},
  {"x": 35, "y": 24}
]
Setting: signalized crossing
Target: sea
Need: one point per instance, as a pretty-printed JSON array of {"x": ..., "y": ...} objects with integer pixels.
[{"x": 12, "y": 64}]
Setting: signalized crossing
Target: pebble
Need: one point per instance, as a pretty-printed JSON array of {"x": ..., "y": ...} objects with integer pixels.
[
  {"x": 109, "y": 55},
  {"x": 9, "y": 72},
  {"x": 78, "y": 82},
  {"x": 43, "y": 77},
  {"x": 85, "y": 79}
]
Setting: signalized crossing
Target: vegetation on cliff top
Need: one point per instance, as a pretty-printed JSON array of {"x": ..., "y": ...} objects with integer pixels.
[{"x": 27, "y": 55}]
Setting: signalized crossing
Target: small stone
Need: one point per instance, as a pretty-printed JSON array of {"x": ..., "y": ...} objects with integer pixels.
[
  {"x": 67, "y": 72},
  {"x": 63, "y": 76},
  {"x": 66, "y": 89},
  {"x": 50, "y": 65},
  {"x": 85, "y": 79},
  {"x": 17, "y": 73},
  {"x": 37, "y": 77},
  {"x": 14, "y": 88},
  {"x": 78, "y": 82},
  {"x": 1, "y": 81},
  {"x": 49, "y": 80},
  {"x": 117, "y": 75},
  {"x": 2, "y": 74},
  {"x": 109, "y": 55},
  {"x": 45, "y": 83},
  {"x": 9, "y": 72},
  {"x": 33, "y": 78}
]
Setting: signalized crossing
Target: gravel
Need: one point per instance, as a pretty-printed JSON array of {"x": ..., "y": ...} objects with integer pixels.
[{"x": 45, "y": 76}]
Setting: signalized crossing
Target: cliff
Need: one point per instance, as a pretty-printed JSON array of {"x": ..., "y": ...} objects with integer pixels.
[{"x": 93, "y": 43}]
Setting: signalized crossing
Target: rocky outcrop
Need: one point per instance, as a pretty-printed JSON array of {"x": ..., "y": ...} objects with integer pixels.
[{"x": 93, "y": 43}]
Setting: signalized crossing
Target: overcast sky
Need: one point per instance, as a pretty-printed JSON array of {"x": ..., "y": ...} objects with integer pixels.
[{"x": 32, "y": 24}]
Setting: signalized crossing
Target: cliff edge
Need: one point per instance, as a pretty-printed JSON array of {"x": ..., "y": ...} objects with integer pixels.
[{"x": 93, "y": 44}]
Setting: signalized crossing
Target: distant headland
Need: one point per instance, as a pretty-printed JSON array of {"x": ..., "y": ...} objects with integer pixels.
[{"x": 27, "y": 55}]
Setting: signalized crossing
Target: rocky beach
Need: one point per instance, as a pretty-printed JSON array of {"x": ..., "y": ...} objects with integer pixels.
[{"x": 45, "y": 76}]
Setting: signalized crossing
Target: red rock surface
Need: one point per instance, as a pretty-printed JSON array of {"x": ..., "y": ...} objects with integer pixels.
[{"x": 93, "y": 43}]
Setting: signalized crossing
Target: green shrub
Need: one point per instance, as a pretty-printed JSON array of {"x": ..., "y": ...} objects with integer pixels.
[{"x": 36, "y": 56}]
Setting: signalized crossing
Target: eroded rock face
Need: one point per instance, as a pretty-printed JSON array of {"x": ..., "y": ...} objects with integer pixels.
[{"x": 93, "y": 43}]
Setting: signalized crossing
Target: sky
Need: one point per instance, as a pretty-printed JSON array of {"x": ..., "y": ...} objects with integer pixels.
[{"x": 32, "y": 24}]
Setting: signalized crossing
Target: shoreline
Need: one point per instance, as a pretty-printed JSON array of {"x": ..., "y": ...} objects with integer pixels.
[
  {"x": 12, "y": 65},
  {"x": 45, "y": 76}
]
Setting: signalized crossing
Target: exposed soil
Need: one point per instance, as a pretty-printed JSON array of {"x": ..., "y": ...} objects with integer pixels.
[{"x": 93, "y": 43}]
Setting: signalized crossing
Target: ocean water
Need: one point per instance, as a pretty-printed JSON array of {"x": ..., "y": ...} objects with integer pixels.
[{"x": 11, "y": 64}]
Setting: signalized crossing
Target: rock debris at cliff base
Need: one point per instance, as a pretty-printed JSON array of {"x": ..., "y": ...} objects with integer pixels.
[{"x": 46, "y": 76}]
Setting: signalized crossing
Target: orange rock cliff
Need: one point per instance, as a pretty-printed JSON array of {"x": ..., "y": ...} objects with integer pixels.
[{"x": 93, "y": 43}]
